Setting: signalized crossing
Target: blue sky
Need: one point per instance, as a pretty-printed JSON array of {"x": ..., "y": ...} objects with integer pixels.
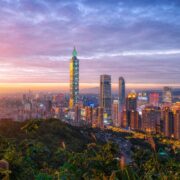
[{"x": 139, "y": 40}]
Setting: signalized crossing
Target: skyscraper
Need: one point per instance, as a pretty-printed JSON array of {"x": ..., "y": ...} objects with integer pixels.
[
  {"x": 177, "y": 125},
  {"x": 74, "y": 79},
  {"x": 131, "y": 101},
  {"x": 105, "y": 93},
  {"x": 151, "y": 116},
  {"x": 121, "y": 91},
  {"x": 134, "y": 120},
  {"x": 176, "y": 112},
  {"x": 115, "y": 113},
  {"x": 167, "y": 95},
  {"x": 168, "y": 121},
  {"x": 100, "y": 119},
  {"x": 89, "y": 114},
  {"x": 131, "y": 105}
]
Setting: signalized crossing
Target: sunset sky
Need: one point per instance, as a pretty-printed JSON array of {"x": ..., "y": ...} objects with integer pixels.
[{"x": 139, "y": 40}]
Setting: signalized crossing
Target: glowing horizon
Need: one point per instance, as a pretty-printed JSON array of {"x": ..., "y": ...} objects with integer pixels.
[
  {"x": 64, "y": 87},
  {"x": 137, "y": 40}
]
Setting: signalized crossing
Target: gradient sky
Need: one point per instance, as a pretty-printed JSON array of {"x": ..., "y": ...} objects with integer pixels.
[{"x": 139, "y": 40}]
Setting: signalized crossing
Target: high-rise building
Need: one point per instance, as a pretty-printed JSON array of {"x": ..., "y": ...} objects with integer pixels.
[
  {"x": 105, "y": 93},
  {"x": 154, "y": 99},
  {"x": 151, "y": 119},
  {"x": 132, "y": 114},
  {"x": 115, "y": 113},
  {"x": 134, "y": 120},
  {"x": 89, "y": 114},
  {"x": 177, "y": 125},
  {"x": 121, "y": 91},
  {"x": 100, "y": 122},
  {"x": 142, "y": 99},
  {"x": 176, "y": 112},
  {"x": 131, "y": 101},
  {"x": 74, "y": 79},
  {"x": 124, "y": 120},
  {"x": 168, "y": 122},
  {"x": 167, "y": 95}
]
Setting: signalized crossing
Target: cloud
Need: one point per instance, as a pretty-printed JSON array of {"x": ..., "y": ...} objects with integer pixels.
[{"x": 37, "y": 38}]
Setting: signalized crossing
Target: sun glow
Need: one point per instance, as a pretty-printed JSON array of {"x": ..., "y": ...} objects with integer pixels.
[{"x": 64, "y": 87}]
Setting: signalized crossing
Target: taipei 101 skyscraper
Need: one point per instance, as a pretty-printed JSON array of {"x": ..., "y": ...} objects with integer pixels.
[{"x": 74, "y": 80}]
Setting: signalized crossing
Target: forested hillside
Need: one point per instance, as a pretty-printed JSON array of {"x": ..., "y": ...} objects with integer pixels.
[{"x": 51, "y": 149}]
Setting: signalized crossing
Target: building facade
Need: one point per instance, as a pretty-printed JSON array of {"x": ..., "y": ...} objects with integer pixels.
[
  {"x": 167, "y": 95},
  {"x": 151, "y": 117},
  {"x": 177, "y": 124},
  {"x": 121, "y": 91},
  {"x": 168, "y": 122},
  {"x": 89, "y": 115},
  {"x": 74, "y": 80},
  {"x": 105, "y": 93},
  {"x": 116, "y": 113},
  {"x": 154, "y": 99},
  {"x": 131, "y": 101},
  {"x": 176, "y": 112}
]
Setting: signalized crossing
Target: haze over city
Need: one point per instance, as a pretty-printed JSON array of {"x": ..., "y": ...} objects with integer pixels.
[
  {"x": 89, "y": 89},
  {"x": 137, "y": 40}
]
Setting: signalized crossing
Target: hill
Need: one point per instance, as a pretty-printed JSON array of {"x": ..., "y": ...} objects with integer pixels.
[{"x": 51, "y": 149}]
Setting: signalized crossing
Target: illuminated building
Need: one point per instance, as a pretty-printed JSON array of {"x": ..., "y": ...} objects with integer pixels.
[
  {"x": 134, "y": 120},
  {"x": 168, "y": 122},
  {"x": 105, "y": 93},
  {"x": 95, "y": 117},
  {"x": 121, "y": 91},
  {"x": 89, "y": 114},
  {"x": 115, "y": 113},
  {"x": 151, "y": 119},
  {"x": 131, "y": 105},
  {"x": 176, "y": 112},
  {"x": 154, "y": 99},
  {"x": 167, "y": 95},
  {"x": 100, "y": 117},
  {"x": 177, "y": 125},
  {"x": 124, "y": 120},
  {"x": 74, "y": 79},
  {"x": 131, "y": 101},
  {"x": 142, "y": 99}
]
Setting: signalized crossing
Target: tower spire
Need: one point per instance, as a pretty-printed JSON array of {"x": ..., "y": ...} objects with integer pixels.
[{"x": 74, "y": 53}]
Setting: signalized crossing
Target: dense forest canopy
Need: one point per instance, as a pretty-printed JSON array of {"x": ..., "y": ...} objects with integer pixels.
[{"x": 51, "y": 149}]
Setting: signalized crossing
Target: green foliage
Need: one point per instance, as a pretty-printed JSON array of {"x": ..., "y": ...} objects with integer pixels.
[
  {"x": 151, "y": 165},
  {"x": 43, "y": 176},
  {"x": 50, "y": 150}
]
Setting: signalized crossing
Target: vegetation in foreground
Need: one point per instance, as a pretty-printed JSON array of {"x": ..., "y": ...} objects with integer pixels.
[{"x": 50, "y": 149}]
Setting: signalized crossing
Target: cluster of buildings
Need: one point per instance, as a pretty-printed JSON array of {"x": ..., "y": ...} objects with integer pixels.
[
  {"x": 152, "y": 112},
  {"x": 129, "y": 110},
  {"x": 34, "y": 106}
]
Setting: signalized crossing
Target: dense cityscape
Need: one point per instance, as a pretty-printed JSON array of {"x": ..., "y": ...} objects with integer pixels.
[
  {"x": 148, "y": 111},
  {"x": 108, "y": 111},
  {"x": 142, "y": 115}
]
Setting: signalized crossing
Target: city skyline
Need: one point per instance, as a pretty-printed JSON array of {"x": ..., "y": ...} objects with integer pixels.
[
  {"x": 89, "y": 89},
  {"x": 114, "y": 38}
]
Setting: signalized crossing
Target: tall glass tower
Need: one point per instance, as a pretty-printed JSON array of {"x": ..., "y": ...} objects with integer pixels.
[
  {"x": 121, "y": 91},
  {"x": 74, "y": 79},
  {"x": 105, "y": 93}
]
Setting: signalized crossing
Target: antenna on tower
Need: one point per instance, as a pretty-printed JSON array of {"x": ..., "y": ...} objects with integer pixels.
[{"x": 74, "y": 52}]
